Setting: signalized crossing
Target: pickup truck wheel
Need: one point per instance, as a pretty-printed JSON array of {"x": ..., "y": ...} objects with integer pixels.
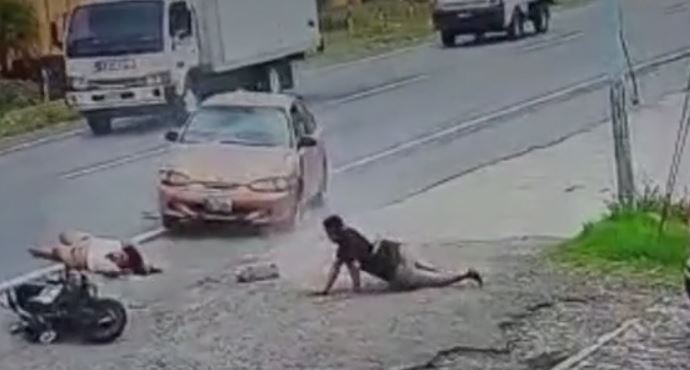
[
  {"x": 448, "y": 38},
  {"x": 542, "y": 19},
  {"x": 275, "y": 84},
  {"x": 100, "y": 125},
  {"x": 516, "y": 29}
]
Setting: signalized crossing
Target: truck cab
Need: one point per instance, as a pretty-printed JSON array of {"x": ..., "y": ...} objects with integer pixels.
[
  {"x": 479, "y": 17},
  {"x": 128, "y": 58},
  {"x": 151, "y": 57}
]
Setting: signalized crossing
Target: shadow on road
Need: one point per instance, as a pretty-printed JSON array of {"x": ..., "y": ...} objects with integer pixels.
[
  {"x": 124, "y": 127},
  {"x": 488, "y": 40}
]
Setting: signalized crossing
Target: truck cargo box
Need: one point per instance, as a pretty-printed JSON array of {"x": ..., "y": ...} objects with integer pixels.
[{"x": 237, "y": 33}]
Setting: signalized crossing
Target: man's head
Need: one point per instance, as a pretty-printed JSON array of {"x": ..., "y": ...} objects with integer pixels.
[
  {"x": 129, "y": 258},
  {"x": 334, "y": 226}
]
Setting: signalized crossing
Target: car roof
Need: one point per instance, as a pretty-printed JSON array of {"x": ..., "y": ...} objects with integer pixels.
[{"x": 250, "y": 99}]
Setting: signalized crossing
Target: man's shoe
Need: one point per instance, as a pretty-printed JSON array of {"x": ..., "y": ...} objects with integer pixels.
[{"x": 474, "y": 275}]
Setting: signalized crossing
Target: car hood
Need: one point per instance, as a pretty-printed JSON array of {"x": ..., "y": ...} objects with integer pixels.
[{"x": 231, "y": 163}]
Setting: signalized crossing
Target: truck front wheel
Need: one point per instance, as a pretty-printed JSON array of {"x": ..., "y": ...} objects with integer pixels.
[
  {"x": 448, "y": 38},
  {"x": 541, "y": 18},
  {"x": 99, "y": 124}
]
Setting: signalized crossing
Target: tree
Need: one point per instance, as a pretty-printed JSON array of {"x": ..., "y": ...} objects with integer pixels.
[{"x": 18, "y": 31}]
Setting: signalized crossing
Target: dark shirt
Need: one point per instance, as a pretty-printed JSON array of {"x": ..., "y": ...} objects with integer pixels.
[{"x": 352, "y": 246}]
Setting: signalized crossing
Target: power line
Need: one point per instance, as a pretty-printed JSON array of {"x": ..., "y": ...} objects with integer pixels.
[{"x": 679, "y": 148}]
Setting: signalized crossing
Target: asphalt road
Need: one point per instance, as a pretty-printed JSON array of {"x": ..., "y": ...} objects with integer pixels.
[{"x": 376, "y": 114}]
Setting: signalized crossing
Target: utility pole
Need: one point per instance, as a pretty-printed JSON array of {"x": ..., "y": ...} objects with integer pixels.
[{"x": 618, "y": 101}]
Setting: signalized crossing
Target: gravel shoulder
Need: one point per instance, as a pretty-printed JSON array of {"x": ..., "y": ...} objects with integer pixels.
[{"x": 528, "y": 316}]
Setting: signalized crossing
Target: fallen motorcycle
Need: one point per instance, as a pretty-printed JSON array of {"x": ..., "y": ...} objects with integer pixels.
[{"x": 69, "y": 304}]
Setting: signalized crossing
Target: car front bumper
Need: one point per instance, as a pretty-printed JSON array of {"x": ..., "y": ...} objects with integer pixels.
[
  {"x": 113, "y": 99},
  {"x": 242, "y": 206},
  {"x": 469, "y": 20}
]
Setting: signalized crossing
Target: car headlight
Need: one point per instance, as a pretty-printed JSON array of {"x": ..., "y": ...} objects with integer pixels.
[
  {"x": 78, "y": 83},
  {"x": 162, "y": 78},
  {"x": 272, "y": 184},
  {"x": 174, "y": 178}
]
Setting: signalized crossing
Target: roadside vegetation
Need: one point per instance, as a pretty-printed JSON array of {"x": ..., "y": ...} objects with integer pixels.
[
  {"x": 23, "y": 110},
  {"x": 378, "y": 26},
  {"x": 373, "y": 27},
  {"x": 628, "y": 241}
]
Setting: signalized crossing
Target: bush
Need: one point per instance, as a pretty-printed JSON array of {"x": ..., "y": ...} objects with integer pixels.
[
  {"x": 377, "y": 16},
  {"x": 16, "y": 94},
  {"x": 629, "y": 238},
  {"x": 653, "y": 200},
  {"x": 35, "y": 117}
]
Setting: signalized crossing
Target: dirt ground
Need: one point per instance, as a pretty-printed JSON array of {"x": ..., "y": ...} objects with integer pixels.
[{"x": 527, "y": 316}]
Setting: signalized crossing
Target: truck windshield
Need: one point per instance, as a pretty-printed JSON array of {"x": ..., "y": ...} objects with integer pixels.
[{"x": 118, "y": 28}]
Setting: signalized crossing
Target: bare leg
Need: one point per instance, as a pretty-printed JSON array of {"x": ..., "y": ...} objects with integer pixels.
[{"x": 409, "y": 277}]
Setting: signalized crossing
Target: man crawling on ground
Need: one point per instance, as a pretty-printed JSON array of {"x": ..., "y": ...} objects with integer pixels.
[
  {"x": 84, "y": 252},
  {"x": 389, "y": 261}
]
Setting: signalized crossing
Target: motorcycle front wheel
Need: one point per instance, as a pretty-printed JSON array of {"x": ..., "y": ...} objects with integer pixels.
[{"x": 109, "y": 321}]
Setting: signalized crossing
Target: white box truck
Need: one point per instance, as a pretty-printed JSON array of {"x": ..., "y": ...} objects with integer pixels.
[
  {"x": 143, "y": 57},
  {"x": 478, "y": 17}
]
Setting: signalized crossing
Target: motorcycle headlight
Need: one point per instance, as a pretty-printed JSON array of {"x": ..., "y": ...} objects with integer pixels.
[
  {"x": 162, "y": 78},
  {"x": 78, "y": 83},
  {"x": 174, "y": 178},
  {"x": 273, "y": 184}
]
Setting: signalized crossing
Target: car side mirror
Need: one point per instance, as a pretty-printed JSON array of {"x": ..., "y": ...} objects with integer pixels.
[
  {"x": 172, "y": 136},
  {"x": 306, "y": 142}
]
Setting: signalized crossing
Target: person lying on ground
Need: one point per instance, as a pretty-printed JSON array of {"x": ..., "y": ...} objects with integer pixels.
[
  {"x": 389, "y": 261},
  {"x": 85, "y": 252}
]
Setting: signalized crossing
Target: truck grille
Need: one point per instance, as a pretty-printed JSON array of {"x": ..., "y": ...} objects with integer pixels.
[{"x": 119, "y": 82}]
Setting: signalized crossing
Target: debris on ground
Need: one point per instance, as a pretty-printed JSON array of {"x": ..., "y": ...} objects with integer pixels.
[{"x": 257, "y": 272}]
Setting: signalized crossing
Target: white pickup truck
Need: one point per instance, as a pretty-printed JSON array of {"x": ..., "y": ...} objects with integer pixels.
[
  {"x": 478, "y": 17},
  {"x": 144, "y": 57}
]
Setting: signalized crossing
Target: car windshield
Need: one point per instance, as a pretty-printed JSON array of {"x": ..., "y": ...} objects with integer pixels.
[
  {"x": 110, "y": 29},
  {"x": 251, "y": 126}
]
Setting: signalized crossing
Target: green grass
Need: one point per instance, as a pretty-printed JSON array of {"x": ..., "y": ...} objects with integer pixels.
[
  {"x": 629, "y": 243},
  {"x": 376, "y": 26},
  {"x": 22, "y": 120}
]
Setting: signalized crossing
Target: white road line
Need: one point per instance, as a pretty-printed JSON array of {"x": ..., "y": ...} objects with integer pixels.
[
  {"x": 376, "y": 90},
  {"x": 463, "y": 125},
  {"x": 148, "y": 236},
  {"x": 582, "y": 86},
  {"x": 114, "y": 163},
  {"x": 318, "y": 70},
  {"x": 556, "y": 41},
  {"x": 44, "y": 140}
]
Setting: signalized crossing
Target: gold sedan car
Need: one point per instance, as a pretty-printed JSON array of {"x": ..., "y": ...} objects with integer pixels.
[{"x": 243, "y": 157}]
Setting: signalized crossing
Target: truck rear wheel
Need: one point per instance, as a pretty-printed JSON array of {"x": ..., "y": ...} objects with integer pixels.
[
  {"x": 99, "y": 124},
  {"x": 516, "y": 28},
  {"x": 541, "y": 18},
  {"x": 448, "y": 38}
]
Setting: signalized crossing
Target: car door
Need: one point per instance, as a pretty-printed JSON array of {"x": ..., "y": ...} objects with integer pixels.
[
  {"x": 308, "y": 155},
  {"x": 182, "y": 32}
]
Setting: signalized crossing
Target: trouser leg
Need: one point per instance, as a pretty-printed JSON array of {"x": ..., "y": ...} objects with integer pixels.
[{"x": 410, "y": 277}]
